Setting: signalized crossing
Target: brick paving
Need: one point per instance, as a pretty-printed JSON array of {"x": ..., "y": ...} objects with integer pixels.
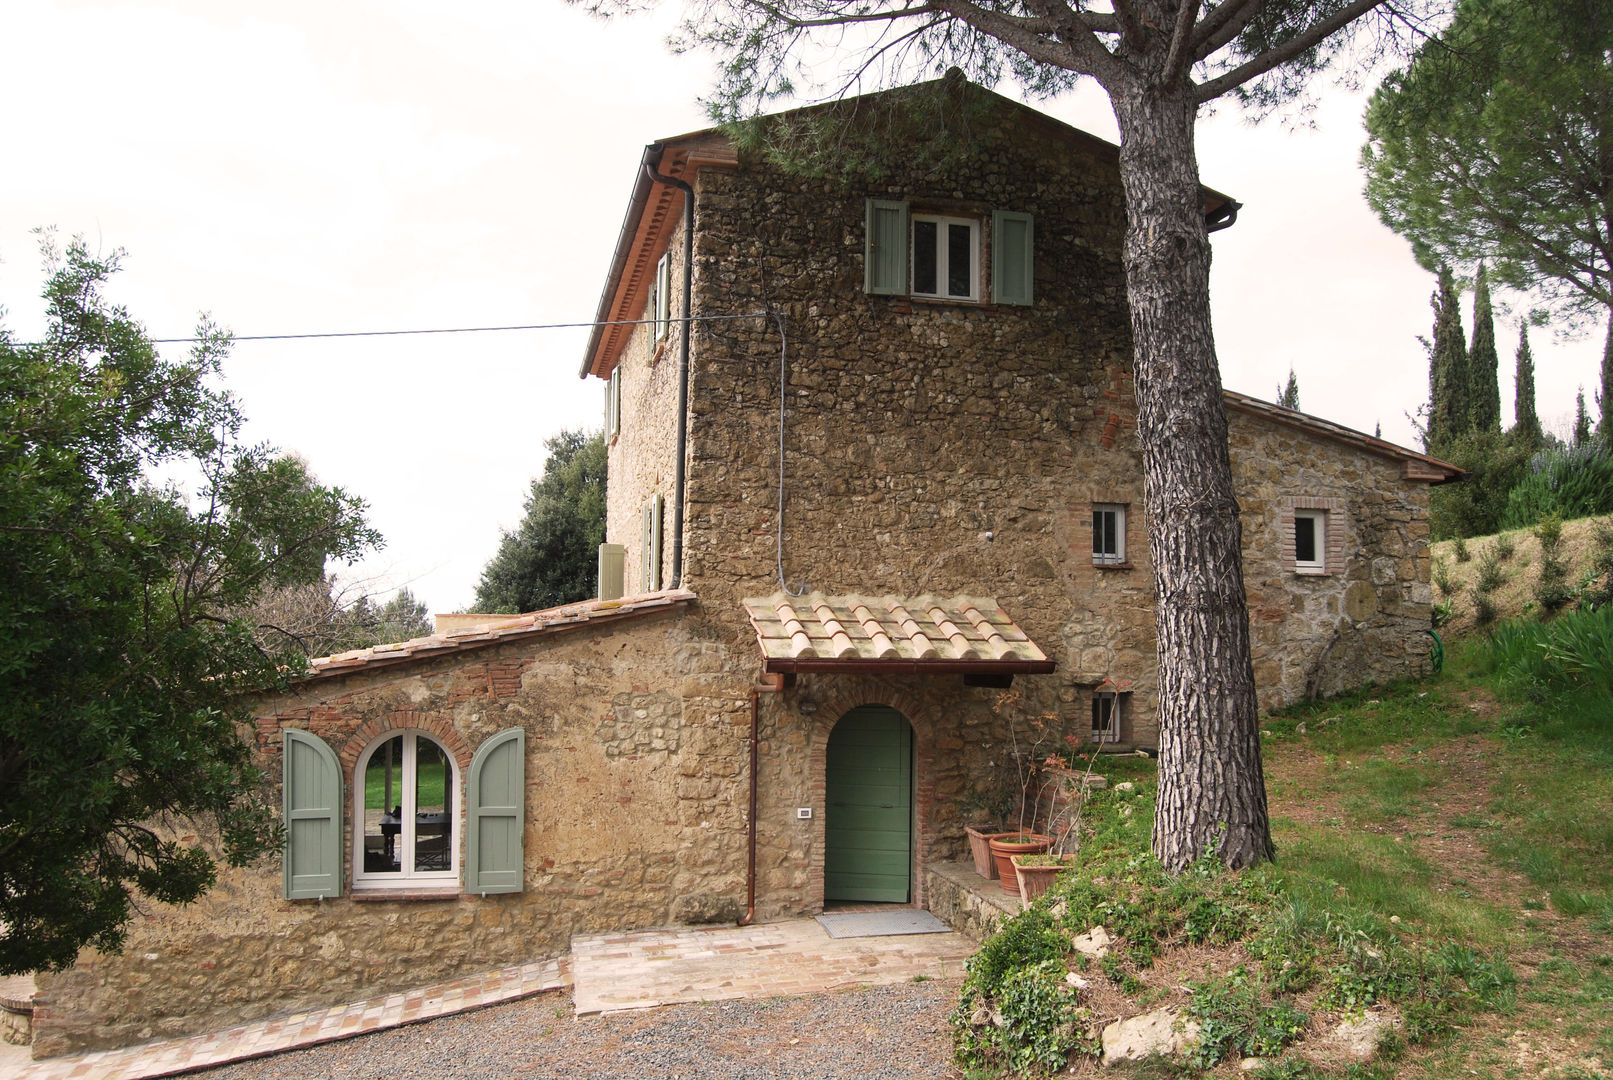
[{"x": 614, "y": 972}]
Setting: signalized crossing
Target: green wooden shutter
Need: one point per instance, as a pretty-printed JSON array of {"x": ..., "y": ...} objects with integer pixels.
[
  {"x": 496, "y": 798},
  {"x": 1012, "y": 257},
  {"x": 313, "y": 817},
  {"x": 885, "y": 254}
]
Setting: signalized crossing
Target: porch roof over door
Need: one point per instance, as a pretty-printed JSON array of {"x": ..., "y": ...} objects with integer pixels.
[{"x": 916, "y": 635}]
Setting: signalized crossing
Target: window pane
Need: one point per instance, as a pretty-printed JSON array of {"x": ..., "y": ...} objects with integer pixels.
[
  {"x": 431, "y": 774},
  {"x": 383, "y": 799},
  {"x": 1105, "y": 535},
  {"x": 960, "y": 260},
  {"x": 924, "y": 256},
  {"x": 1305, "y": 539}
]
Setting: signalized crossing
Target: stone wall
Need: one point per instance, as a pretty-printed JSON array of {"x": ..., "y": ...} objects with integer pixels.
[
  {"x": 634, "y": 778},
  {"x": 642, "y": 455},
  {"x": 1363, "y": 619}
]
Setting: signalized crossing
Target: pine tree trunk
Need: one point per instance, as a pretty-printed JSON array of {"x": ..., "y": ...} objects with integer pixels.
[
  {"x": 1212, "y": 793},
  {"x": 1605, "y": 429}
]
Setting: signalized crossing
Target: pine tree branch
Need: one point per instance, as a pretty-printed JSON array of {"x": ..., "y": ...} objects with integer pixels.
[
  {"x": 1276, "y": 57},
  {"x": 1223, "y": 23},
  {"x": 1178, "y": 59}
]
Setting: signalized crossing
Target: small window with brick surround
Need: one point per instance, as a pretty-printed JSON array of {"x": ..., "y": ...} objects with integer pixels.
[
  {"x": 1313, "y": 535},
  {"x": 1108, "y": 534}
]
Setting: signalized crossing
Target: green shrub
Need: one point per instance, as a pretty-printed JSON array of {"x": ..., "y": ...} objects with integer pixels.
[
  {"x": 1490, "y": 577},
  {"x": 1462, "y": 554},
  {"x": 1551, "y": 590},
  {"x": 1598, "y": 587},
  {"x": 1504, "y": 547},
  {"x": 1573, "y": 482},
  {"x": 1447, "y": 585}
]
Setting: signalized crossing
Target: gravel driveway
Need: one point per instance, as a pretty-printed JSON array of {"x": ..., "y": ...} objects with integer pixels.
[{"x": 879, "y": 1033}]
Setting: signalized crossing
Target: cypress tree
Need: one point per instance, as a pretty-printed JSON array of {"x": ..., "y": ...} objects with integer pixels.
[
  {"x": 1449, "y": 408},
  {"x": 1526, "y": 426},
  {"x": 1483, "y": 364},
  {"x": 1582, "y": 420},
  {"x": 1288, "y": 396}
]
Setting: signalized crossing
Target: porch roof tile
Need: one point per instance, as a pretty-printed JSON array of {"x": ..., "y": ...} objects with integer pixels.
[{"x": 862, "y": 633}]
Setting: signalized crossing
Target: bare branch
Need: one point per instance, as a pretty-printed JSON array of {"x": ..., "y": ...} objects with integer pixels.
[{"x": 1271, "y": 58}]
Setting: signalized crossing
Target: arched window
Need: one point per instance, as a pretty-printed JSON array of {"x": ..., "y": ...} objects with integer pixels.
[{"x": 406, "y": 799}]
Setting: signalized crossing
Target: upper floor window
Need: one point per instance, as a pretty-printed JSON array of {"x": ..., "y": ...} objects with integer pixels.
[
  {"x": 658, "y": 308},
  {"x": 407, "y": 806},
  {"x": 1108, "y": 534},
  {"x": 944, "y": 257}
]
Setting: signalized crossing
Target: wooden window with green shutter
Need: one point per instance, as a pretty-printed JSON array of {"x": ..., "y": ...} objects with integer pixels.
[
  {"x": 313, "y": 817},
  {"x": 1012, "y": 257},
  {"x": 649, "y": 575},
  {"x": 496, "y": 800},
  {"x": 885, "y": 251}
]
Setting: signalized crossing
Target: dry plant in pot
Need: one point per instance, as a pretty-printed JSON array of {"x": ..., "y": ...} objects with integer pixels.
[
  {"x": 1030, "y": 787},
  {"x": 1036, "y": 872}
]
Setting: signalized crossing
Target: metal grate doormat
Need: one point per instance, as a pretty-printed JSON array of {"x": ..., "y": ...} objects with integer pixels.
[{"x": 882, "y": 923}]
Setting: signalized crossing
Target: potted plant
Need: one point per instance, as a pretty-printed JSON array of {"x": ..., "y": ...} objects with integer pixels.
[
  {"x": 1029, "y": 784},
  {"x": 1035, "y": 872}
]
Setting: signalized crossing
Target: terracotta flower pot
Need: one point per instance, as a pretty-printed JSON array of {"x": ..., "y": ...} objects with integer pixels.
[
  {"x": 1004, "y": 848},
  {"x": 1036, "y": 880},
  {"x": 980, "y": 847}
]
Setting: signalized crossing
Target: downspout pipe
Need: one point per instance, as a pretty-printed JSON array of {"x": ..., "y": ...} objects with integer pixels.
[
  {"x": 769, "y": 684},
  {"x": 682, "y": 439},
  {"x": 1222, "y": 217}
]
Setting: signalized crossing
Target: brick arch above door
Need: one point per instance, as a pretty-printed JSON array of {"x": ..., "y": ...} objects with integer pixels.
[{"x": 841, "y": 694}]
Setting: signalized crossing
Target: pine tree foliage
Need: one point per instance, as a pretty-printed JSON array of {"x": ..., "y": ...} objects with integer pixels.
[
  {"x": 1449, "y": 397},
  {"x": 1483, "y": 363},
  {"x": 1493, "y": 144},
  {"x": 1526, "y": 430},
  {"x": 551, "y": 558}
]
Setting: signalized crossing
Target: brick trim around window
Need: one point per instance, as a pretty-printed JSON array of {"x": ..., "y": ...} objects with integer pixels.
[{"x": 1332, "y": 543}]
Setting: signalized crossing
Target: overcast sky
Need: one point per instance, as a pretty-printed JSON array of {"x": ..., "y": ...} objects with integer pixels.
[{"x": 333, "y": 166}]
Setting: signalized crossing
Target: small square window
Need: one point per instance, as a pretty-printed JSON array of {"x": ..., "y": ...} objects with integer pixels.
[
  {"x": 1310, "y": 540},
  {"x": 1108, "y": 534},
  {"x": 1108, "y": 709},
  {"x": 946, "y": 257}
]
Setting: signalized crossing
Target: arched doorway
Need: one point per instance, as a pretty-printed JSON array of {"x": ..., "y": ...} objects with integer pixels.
[{"x": 868, "y": 828}]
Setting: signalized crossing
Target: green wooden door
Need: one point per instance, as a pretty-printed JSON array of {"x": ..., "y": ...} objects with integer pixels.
[{"x": 869, "y": 827}]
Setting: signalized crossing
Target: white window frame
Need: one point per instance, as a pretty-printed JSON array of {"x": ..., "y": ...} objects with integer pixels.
[
  {"x": 1108, "y": 714},
  {"x": 943, "y": 254},
  {"x": 406, "y": 877},
  {"x": 1118, "y": 556},
  {"x": 1318, "y": 519},
  {"x": 613, "y": 402}
]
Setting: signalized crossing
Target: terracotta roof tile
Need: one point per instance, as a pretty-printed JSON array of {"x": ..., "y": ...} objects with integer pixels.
[
  {"x": 850, "y": 633},
  {"x": 500, "y": 628}
]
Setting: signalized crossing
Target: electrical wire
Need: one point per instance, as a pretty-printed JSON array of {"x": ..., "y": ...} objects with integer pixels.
[{"x": 454, "y": 329}]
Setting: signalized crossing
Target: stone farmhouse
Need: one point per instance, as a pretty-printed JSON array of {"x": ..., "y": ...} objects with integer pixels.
[{"x": 875, "y": 516}]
